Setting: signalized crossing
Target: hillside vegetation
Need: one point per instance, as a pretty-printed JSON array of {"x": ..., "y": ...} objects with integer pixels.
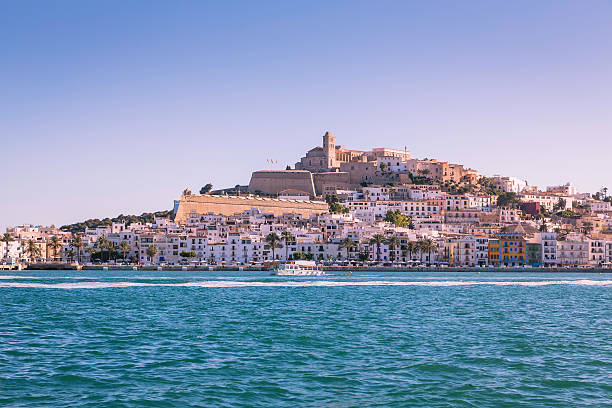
[{"x": 106, "y": 222}]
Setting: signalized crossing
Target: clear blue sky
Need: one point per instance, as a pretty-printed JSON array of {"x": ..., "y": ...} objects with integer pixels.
[{"x": 114, "y": 107}]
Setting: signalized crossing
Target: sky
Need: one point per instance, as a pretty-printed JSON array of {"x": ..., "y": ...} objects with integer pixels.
[{"x": 114, "y": 107}]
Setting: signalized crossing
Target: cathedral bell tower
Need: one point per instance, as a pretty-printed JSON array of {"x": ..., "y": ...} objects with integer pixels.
[{"x": 329, "y": 148}]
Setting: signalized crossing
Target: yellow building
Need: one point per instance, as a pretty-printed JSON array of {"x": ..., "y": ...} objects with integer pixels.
[
  {"x": 508, "y": 250},
  {"x": 448, "y": 252}
]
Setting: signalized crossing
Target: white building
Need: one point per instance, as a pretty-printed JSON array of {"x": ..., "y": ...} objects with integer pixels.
[
  {"x": 376, "y": 193},
  {"x": 599, "y": 206},
  {"x": 392, "y": 164},
  {"x": 10, "y": 253},
  {"x": 548, "y": 240},
  {"x": 597, "y": 251},
  {"x": 508, "y": 184},
  {"x": 547, "y": 201},
  {"x": 471, "y": 251},
  {"x": 424, "y": 192},
  {"x": 567, "y": 189},
  {"x": 573, "y": 251}
]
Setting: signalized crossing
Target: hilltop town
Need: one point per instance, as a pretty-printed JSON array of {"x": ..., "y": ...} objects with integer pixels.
[{"x": 347, "y": 207}]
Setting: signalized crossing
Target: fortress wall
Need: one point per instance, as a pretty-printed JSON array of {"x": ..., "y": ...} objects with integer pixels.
[
  {"x": 336, "y": 179},
  {"x": 359, "y": 171},
  {"x": 275, "y": 181},
  {"x": 229, "y": 205}
]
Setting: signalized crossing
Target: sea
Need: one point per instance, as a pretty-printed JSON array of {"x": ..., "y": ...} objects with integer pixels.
[{"x": 249, "y": 339}]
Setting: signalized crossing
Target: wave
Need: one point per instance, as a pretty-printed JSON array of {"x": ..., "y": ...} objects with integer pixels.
[{"x": 317, "y": 283}]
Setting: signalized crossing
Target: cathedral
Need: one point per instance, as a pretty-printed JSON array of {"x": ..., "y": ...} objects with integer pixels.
[{"x": 328, "y": 167}]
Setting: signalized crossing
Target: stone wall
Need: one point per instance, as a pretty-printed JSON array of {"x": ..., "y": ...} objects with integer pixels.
[
  {"x": 336, "y": 179},
  {"x": 229, "y": 205},
  {"x": 275, "y": 181}
]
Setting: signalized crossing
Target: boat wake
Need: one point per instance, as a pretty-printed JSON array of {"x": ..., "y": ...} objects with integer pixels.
[{"x": 313, "y": 283}]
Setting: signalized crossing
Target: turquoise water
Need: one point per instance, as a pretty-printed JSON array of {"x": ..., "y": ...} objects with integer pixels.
[{"x": 238, "y": 339}]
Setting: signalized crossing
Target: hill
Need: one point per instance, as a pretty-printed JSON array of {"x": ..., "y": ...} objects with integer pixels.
[{"x": 106, "y": 222}]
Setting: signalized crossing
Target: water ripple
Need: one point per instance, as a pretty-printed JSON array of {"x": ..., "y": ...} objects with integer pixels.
[{"x": 198, "y": 341}]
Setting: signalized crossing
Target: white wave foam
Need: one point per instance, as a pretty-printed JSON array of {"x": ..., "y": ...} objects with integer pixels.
[
  {"x": 318, "y": 283},
  {"x": 10, "y": 277}
]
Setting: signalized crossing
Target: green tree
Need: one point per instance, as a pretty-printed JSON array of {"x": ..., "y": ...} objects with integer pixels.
[
  {"x": 566, "y": 214},
  {"x": 411, "y": 247},
  {"x": 397, "y": 218},
  {"x": 287, "y": 239},
  {"x": 509, "y": 199},
  {"x": 559, "y": 205},
  {"x": 364, "y": 256},
  {"x": 32, "y": 250},
  {"x": 188, "y": 254},
  {"x": 206, "y": 188},
  {"x": 377, "y": 239},
  {"x": 347, "y": 244},
  {"x": 110, "y": 248},
  {"x": 151, "y": 252},
  {"x": 92, "y": 251},
  {"x": 7, "y": 239},
  {"x": 334, "y": 206},
  {"x": 125, "y": 248},
  {"x": 55, "y": 243},
  {"x": 101, "y": 245},
  {"x": 77, "y": 243},
  {"x": 427, "y": 245},
  {"x": 604, "y": 193},
  {"x": 393, "y": 242},
  {"x": 274, "y": 242}
]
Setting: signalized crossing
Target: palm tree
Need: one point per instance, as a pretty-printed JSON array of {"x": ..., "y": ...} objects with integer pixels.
[
  {"x": 124, "y": 247},
  {"x": 101, "y": 244},
  {"x": 70, "y": 254},
  {"x": 91, "y": 250},
  {"x": 32, "y": 250},
  {"x": 138, "y": 253},
  {"x": 152, "y": 251},
  {"x": 418, "y": 248},
  {"x": 427, "y": 245},
  {"x": 7, "y": 238},
  {"x": 55, "y": 244},
  {"x": 287, "y": 238},
  {"x": 347, "y": 244},
  {"x": 404, "y": 252},
  {"x": 77, "y": 242},
  {"x": 411, "y": 247},
  {"x": 110, "y": 247},
  {"x": 377, "y": 239},
  {"x": 393, "y": 243},
  {"x": 273, "y": 240}
]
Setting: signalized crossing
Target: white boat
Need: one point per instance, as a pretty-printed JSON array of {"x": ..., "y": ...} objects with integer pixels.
[{"x": 298, "y": 268}]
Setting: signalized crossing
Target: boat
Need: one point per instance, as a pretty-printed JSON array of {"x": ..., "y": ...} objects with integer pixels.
[{"x": 298, "y": 268}]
